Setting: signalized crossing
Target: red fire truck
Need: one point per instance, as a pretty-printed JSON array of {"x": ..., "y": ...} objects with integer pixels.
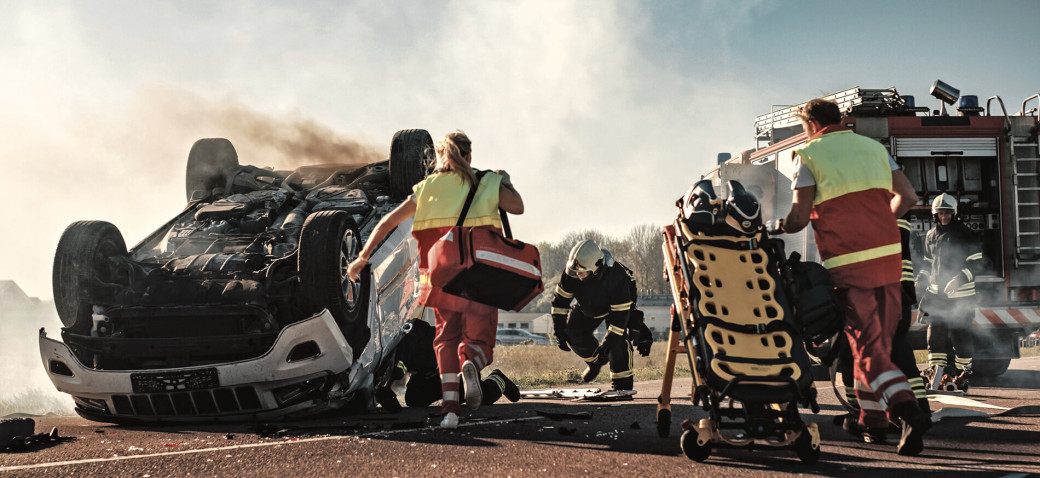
[{"x": 986, "y": 156}]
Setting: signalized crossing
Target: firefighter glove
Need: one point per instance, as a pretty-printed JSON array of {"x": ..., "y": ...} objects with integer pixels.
[
  {"x": 642, "y": 338},
  {"x": 602, "y": 352},
  {"x": 774, "y": 227},
  {"x": 560, "y": 331},
  {"x": 921, "y": 284},
  {"x": 955, "y": 283}
]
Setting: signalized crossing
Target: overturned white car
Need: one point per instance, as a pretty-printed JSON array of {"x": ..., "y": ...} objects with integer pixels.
[{"x": 239, "y": 308}]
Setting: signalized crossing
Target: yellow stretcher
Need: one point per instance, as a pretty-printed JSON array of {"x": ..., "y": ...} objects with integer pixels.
[{"x": 732, "y": 319}]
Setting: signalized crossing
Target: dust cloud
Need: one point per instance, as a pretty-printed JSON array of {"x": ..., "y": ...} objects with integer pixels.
[{"x": 24, "y": 386}]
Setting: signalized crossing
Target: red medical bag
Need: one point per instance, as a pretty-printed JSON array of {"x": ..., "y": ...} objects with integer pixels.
[{"x": 482, "y": 265}]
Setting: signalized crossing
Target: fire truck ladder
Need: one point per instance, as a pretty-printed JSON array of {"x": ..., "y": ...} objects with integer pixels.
[
  {"x": 1024, "y": 150},
  {"x": 865, "y": 102}
]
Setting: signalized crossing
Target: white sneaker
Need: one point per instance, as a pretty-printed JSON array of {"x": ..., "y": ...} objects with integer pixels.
[
  {"x": 450, "y": 421},
  {"x": 471, "y": 381}
]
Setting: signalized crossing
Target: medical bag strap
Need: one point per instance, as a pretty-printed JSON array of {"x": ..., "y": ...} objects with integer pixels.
[
  {"x": 469, "y": 199},
  {"x": 505, "y": 223}
]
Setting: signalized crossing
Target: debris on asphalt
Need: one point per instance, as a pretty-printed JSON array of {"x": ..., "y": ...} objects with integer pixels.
[
  {"x": 564, "y": 415},
  {"x": 634, "y": 425},
  {"x": 26, "y": 439},
  {"x": 229, "y": 436}
]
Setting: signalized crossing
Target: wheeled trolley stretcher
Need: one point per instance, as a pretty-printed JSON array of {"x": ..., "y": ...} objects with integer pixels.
[{"x": 733, "y": 320}]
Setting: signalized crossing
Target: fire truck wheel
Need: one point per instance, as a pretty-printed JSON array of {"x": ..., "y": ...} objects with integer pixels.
[
  {"x": 411, "y": 159},
  {"x": 209, "y": 162},
  {"x": 990, "y": 367},
  {"x": 87, "y": 263},
  {"x": 328, "y": 242}
]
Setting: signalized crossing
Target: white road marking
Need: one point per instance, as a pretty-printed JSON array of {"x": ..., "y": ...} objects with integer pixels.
[{"x": 256, "y": 445}]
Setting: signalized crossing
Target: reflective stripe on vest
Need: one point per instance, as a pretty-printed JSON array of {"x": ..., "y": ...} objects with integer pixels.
[
  {"x": 440, "y": 197},
  {"x": 853, "y": 178}
]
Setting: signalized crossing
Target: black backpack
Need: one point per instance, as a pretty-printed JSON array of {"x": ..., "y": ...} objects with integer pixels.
[{"x": 818, "y": 313}]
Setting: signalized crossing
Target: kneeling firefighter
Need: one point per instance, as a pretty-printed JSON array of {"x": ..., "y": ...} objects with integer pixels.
[
  {"x": 603, "y": 289},
  {"x": 417, "y": 362}
]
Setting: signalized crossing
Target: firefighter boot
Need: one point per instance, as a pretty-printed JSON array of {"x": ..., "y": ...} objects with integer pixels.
[
  {"x": 622, "y": 385},
  {"x": 915, "y": 423},
  {"x": 852, "y": 426},
  {"x": 509, "y": 389},
  {"x": 592, "y": 371}
]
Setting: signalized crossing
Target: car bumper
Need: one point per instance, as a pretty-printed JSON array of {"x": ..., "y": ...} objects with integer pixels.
[{"x": 268, "y": 387}]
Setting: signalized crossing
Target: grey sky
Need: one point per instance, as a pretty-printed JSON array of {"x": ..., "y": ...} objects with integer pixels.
[{"x": 603, "y": 112}]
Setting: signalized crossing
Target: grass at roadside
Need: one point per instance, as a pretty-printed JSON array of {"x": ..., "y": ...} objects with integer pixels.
[{"x": 545, "y": 366}]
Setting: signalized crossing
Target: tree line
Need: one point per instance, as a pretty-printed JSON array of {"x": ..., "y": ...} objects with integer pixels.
[{"x": 639, "y": 250}]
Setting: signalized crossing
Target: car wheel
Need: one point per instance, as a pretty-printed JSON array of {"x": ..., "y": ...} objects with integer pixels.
[
  {"x": 328, "y": 242},
  {"x": 209, "y": 162},
  {"x": 990, "y": 367},
  {"x": 88, "y": 264},
  {"x": 411, "y": 159}
]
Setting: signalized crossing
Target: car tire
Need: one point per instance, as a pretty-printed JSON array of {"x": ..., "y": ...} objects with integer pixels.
[
  {"x": 88, "y": 256},
  {"x": 209, "y": 162},
  {"x": 411, "y": 159},
  {"x": 990, "y": 367},
  {"x": 328, "y": 242}
]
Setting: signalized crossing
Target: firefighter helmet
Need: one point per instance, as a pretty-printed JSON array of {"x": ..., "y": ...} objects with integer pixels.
[
  {"x": 944, "y": 201},
  {"x": 700, "y": 206},
  {"x": 586, "y": 256},
  {"x": 743, "y": 211}
]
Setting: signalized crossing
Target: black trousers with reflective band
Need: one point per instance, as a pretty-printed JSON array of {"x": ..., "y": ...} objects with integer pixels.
[{"x": 580, "y": 328}]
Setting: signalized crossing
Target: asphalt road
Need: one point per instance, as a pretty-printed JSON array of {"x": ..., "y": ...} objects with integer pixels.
[{"x": 520, "y": 440}]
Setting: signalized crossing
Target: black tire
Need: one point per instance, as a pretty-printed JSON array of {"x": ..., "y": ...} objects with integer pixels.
[
  {"x": 664, "y": 423},
  {"x": 328, "y": 242},
  {"x": 87, "y": 257},
  {"x": 990, "y": 367},
  {"x": 411, "y": 158},
  {"x": 804, "y": 448},
  {"x": 693, "y": 451},
  {"x": 209, "y": 162}
]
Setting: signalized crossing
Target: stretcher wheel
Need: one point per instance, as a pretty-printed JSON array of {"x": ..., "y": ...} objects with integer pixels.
[
  {"x": 803, "y": 446},
  {"x": 664, "y": 423},
  {"x": 693, "y": 451}
]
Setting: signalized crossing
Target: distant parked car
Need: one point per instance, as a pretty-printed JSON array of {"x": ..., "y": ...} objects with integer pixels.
[{"x": 519, "y": 337}]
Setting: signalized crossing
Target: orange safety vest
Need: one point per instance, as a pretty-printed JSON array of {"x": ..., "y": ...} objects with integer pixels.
[{"x": 855, "y": 229}]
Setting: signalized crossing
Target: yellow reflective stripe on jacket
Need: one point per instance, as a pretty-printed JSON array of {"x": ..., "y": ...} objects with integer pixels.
[
  {"x": 440, "y": 197},
  {"x": 616, "y": 330},
  {"x": 563, "y": 293},
  {"x": 975, "y": 257},
  {"x": 850, "y": 166},
  {"x": 861, "y": 256},
  {"x": 621, "y": 307},
  {"x": 903, "y": 223},
  {"x": 560, "y": 311}
]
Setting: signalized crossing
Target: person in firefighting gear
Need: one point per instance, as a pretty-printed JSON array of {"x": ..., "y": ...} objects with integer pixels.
[
  {"x": 902, "y": 351},
  {"x": 416, "y": 368},
  {"x": 604, "y": 290},
  {"x": 952, "y": 258},
  {"x": 853, "y": 191}
]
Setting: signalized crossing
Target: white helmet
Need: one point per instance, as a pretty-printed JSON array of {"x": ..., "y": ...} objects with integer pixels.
[
  {"x": 585, "y": 256},
  {"x": 944, "y": 201}
]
